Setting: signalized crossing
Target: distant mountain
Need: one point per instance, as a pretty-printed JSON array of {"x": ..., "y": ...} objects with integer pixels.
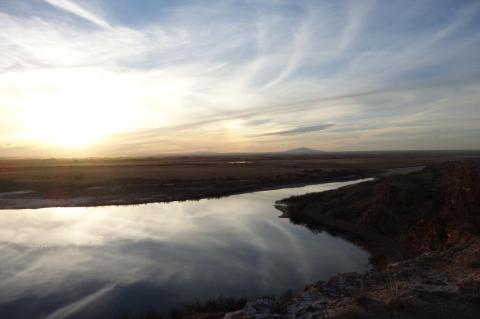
[
  {"x": 203, "y": 153},
  {"x": 302, "y": 150}
]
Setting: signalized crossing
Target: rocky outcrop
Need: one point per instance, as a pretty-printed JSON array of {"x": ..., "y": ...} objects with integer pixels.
[{"x": 434, "y": 285}]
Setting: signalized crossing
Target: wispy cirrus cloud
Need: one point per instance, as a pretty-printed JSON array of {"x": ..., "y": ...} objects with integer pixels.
[
  {"x": 171, "y": 71},
  {"x": 74, "y": 8},
  {"x": 298, "y": 130}
]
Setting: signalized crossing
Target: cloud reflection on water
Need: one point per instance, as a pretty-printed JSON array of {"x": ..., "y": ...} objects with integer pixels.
[{"x": 69, "y": 262}]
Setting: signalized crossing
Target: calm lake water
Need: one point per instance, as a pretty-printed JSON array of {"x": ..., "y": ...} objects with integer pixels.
[{"x": 99, "y": 261}]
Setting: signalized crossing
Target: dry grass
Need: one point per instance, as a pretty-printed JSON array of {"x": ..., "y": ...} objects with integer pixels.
[{"x": 79, "y": 172}]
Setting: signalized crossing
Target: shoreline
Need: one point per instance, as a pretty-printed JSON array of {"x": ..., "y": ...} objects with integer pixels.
[
  {"x": 28, "y": 202},
  {"x": 380, "y": 252},
  {"x": 32, "y": 184}
]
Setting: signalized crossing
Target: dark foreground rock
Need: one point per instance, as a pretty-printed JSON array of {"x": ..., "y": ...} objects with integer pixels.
[{"x": 433, "y": 285}]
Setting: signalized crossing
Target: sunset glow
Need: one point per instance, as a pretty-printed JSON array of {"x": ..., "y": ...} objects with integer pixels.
[
  {"x": 96, "y": 78},
  {"x": 74, "y": 108}
]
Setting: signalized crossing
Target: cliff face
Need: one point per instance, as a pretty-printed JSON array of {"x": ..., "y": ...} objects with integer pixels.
[
  {"x": 461, "y": 202},
  {"x": 427, "y": 210}
]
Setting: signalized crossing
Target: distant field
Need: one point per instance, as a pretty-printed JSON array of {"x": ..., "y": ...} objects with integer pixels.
[{"x": 185, "y": 177}]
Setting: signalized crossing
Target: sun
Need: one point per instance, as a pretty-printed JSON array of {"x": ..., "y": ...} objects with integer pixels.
[
  {"x": 70, "y": 125},
  {"x": 65, "y": 131},
  {"x": 53, "y": 122},
  {"x": 79, "y": 111}
]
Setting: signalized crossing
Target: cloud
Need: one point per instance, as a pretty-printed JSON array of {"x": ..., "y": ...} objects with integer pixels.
[
  {"x": 357, "y": 14},
  {"x": 77, "y": 10},
  {"x": 300, "y": 39},
  {"x": 240, "y": 70},
  {"x": 78, "y": 305},
  {"x": 298, "y": 130}
]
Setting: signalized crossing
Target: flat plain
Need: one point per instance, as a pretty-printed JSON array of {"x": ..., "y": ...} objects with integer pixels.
[{"x": 35, "y": 183}]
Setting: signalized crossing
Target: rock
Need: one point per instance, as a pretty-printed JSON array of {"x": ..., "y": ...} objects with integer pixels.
[{"x": 262, "y": 308}]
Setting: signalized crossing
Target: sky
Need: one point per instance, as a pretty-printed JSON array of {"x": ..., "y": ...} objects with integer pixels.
[{"x": 147, "y": 77}]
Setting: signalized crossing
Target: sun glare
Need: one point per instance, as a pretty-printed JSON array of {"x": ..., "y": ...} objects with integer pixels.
[
  {"x": 68, "y": 125},
  {"x": 81, "y": 112},
  {"x": 66, "y": 131}
]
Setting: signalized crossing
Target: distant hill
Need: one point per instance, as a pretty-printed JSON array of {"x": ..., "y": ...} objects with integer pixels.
[
  {"x": 203, "y": 153},
  {"x": 302, "y": 150}
]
